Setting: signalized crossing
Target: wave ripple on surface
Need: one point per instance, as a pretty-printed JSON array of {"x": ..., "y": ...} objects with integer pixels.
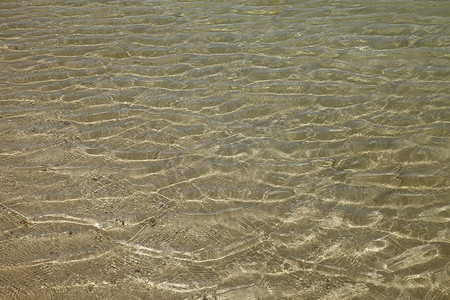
[{"x": 217, "y": 150}]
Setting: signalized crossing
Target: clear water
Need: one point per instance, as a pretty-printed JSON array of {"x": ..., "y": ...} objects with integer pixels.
[{"x": 224, "y": 149}]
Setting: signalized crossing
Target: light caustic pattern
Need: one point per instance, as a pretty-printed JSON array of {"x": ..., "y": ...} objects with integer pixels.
[{"x": 224, "y": 150}]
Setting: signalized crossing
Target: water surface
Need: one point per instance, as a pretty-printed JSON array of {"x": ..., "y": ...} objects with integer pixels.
[{"x": 224, "y": 150}]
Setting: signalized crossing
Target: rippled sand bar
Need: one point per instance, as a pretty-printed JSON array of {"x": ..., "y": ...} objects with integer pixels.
[{"x": 224, "y": 149}]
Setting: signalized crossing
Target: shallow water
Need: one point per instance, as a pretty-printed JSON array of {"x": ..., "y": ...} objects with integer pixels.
[{"x": 224, "y": 150}]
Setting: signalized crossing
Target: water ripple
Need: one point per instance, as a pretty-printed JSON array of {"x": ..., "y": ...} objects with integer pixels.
[{"x": 216, "y": 150}]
